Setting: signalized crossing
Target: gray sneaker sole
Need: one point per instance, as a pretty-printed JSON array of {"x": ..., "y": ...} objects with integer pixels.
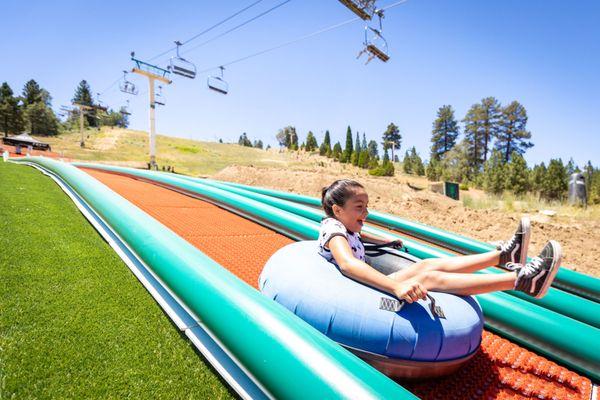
[
  {"x": 556, "y": 261},
  {"x": 526, "y": 225}
]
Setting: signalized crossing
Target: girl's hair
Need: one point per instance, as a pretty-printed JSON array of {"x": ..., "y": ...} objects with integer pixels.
[{"x": 338, "y": 193}]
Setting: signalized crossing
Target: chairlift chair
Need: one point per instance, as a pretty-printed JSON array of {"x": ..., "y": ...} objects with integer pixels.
[
  {"x": 376, "y": 45},
  {"x": 363, "y": 8},
  {"x": 127, "y": 86},
  {"x": 159, "y": 98},
  {"x": 125, "y": 109},
  {"x": 181, "y": 66},
  {"x": 217, "y": 83}
]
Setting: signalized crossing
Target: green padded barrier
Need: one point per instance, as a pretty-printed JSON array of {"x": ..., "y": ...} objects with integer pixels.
[{"x": 561, "y": 338}]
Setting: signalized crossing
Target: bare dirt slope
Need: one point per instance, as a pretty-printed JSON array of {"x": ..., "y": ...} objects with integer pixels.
[{"x": 580, "y": 238}]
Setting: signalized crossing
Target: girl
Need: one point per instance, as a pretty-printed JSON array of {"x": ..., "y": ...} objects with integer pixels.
[{"x": 345, "y": 204}]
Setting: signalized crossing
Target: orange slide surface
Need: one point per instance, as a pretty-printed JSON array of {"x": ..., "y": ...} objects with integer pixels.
[{"x": 501, "y": 369}]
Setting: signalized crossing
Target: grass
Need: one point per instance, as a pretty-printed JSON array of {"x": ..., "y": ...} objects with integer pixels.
[
  {"x": 528, "y": 203},
  {"x": 188, "y": 156},
  {"x": 74, "y": 321}
]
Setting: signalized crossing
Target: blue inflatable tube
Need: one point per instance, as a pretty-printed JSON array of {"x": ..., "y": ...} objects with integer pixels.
[{"x": 411, "y": 343}]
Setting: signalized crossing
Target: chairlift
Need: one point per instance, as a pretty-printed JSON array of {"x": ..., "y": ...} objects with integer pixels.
[
  {"x": 217, "y": 83},
  {"x": 375, "y": 44},
  {"x": 125, "y": 109},
  {"x": 159, "y": 98},
  {"x": 181, "y": 66},
  {"x": 127, "y": 86},
  {"x": 363, "y": 8}
]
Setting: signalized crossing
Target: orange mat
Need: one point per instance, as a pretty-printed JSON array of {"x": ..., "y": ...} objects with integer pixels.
[{"x": 501, "y": 369}]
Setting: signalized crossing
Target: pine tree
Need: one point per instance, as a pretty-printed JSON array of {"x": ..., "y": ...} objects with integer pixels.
[
  {"x": 392, "y": 138},
  {"x": 363, "y": 145},
  {"x": 433, "y": 171},
  {"x": 407, "y": 163},
  {"x": 455, "y": 165},
  {"x": 588, "y": 172},
  {"x": 11, "y": 114},
  {"x": 494, "y": 174},
  {"x": 474, "y": 138},
  {"x": 444, "y": 133},
  {"x": 311, "y": 142},
  {"x": 571, "y": 167},
  {"x": 537, "y": 178},
  {"x": 354, "y": 158},
  {"x": 512, "y": 135},
  {"x": 373, "y": 151},
  {"x": 325, "y": 148},
  {"x": 83, "y": 95},
  {"x": 517, "y": 175},
  {"x": 491, "y": 113},
  {"x": 293, "y": 139},
  {"x": 41, "y": 119},
  {"x": 416, "y": 163},
  {"x": 556, "y": 184},
  {"x": 337, "y": 151},
  {"x": 258, "y": 144},
  {"x": 244, "y": 141},
  {"x": 347, "y": 154},
  {"x": 363, "y": 159},
  {"x": 32, "y": 93},
  {"x": 357, "y": 147},
  {"x": 283, "y": 137}
]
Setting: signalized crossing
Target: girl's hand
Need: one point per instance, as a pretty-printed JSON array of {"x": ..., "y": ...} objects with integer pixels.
[
  {"x": 396, "y": 244},
  {"x": 410, "y": 291}
]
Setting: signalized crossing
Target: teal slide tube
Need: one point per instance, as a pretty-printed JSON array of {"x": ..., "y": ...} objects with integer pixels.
[
  {"x": 578, "y": 308},
  {"x": 572, "y": 281},
  {"x": 284, "y": 354},
  {"x": 561, "y": 338}
]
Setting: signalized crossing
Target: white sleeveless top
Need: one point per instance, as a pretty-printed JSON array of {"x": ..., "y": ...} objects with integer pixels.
[{"x": 331, "y": 227}]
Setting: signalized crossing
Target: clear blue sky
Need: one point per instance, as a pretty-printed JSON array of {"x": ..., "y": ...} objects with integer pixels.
[{"x": 545, "y": 54}]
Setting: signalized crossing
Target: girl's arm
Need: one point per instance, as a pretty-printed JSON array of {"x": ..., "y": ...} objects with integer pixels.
[{"x": 363, "y": 272}]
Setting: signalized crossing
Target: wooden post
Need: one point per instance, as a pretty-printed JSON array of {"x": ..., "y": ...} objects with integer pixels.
[{"x": 82, "y": 142}]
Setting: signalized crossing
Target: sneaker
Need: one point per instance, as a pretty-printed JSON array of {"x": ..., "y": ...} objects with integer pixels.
[
  {"x": 513, "y": 253},
  {"x": 535, "y": 277}
]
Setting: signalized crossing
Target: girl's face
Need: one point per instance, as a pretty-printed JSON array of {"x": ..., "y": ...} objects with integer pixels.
[{"x": 354, "y": 213}]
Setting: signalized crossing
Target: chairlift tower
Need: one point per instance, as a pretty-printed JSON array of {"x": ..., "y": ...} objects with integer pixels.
[
  {"x": 153, "y": 73},
  {"x": 84, "y": 109}
]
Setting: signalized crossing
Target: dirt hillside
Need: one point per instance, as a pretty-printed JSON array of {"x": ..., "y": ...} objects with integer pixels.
[{"x": 579, "y": 238}]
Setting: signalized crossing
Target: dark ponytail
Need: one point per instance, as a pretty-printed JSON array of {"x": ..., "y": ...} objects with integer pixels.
[{"x": 338, "y": 193}]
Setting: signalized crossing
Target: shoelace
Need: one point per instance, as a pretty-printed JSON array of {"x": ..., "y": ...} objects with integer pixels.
[
  {"x": 533, "y": 266},
  {"x": 512, "y": 266},
  {"x": 505, "y": 246}
]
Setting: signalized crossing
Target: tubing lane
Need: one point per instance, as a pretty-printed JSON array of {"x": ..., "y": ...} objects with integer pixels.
[
  {"x": 561, "y": 338},
  {"x": 557, "y": 300},
  {"x": 288, "y": 357},
  {"x": 566, "y": 279}
]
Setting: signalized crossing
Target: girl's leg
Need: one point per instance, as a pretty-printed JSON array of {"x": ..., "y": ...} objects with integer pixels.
[
  {"x": 461, "y": 264},
  {"x": 466, "y": 284}
]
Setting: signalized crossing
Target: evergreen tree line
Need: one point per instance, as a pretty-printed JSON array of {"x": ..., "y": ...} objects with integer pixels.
[
  {"x": 356, "y": 151},
  {"x": 32, "y": 111},
  {"x": 490, "y": 154},
  {"x": 246, "y": 142}
]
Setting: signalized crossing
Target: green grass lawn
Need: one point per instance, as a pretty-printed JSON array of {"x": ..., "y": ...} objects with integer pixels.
[{"x": 74, "y": 321}]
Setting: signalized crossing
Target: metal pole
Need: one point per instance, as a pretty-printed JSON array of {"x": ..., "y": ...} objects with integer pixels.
[
  {"x": 82, "y": 143},
  {"x": 152, "y": 126}
]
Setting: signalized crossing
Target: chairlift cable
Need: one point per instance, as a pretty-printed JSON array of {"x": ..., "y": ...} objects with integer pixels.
[
  {"x": 239, "y": 25},
  {"x": 338, "y": 25},
  {"x": 207, "y": 29}
]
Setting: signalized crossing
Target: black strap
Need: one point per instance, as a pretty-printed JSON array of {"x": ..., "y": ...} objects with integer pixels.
[{"x": 376, "y": 250}]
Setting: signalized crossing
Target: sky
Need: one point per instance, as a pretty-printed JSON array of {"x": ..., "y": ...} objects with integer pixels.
[{"x": 544, "y": 54}]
